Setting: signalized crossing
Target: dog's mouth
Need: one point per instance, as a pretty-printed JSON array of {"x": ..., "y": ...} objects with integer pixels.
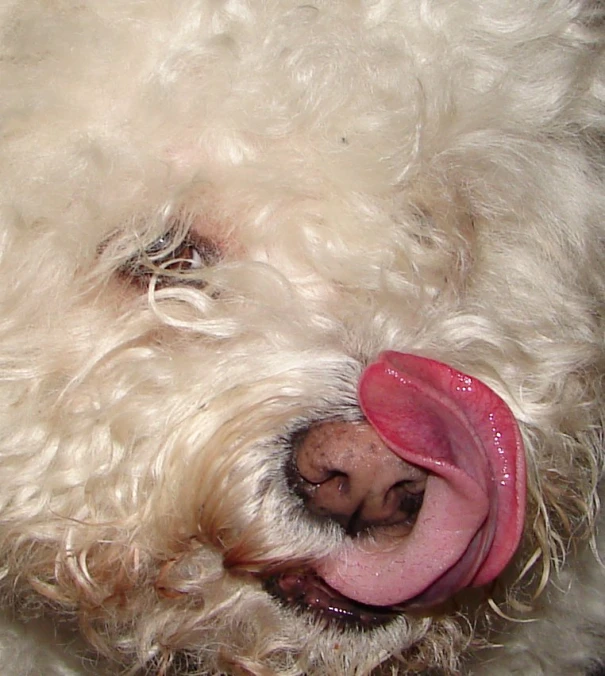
[
  {"x": 435, "y": 474},
  {"x": 308, "y": 592}
]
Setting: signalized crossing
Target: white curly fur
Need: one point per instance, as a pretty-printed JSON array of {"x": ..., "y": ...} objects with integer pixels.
[{"x": 417, "y": 175}]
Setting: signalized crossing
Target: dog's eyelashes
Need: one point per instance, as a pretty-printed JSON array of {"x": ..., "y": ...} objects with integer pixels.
[
  {"x": 191, "y": 251},
  {"x": 172, "y": 259},
  {"x": 192, "y": 248}
]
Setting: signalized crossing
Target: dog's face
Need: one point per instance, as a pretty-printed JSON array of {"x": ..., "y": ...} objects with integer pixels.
[{"x": 299, "y": 332}]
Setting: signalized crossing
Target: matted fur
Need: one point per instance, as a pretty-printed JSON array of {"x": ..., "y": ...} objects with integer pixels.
[{"x": 418, "y": 175}]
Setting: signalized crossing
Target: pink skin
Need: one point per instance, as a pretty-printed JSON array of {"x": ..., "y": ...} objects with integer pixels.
[{"x": 471, "y": 520}]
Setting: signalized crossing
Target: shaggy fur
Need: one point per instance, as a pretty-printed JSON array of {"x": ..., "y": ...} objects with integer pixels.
[{"x": 347, "y": 176}]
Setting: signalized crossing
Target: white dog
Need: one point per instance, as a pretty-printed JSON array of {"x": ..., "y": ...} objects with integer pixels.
[{"x": 301, "y": 336}]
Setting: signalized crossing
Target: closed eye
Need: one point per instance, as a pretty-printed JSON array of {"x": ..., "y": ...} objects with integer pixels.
[{"x": 172, "y": 259}]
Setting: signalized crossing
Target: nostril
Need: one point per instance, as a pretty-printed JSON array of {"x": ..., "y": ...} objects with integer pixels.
[
  {"x": 344, "y": 472},
  {"x": 327, "y": 497},
  {"x": 393, "y": 511}
]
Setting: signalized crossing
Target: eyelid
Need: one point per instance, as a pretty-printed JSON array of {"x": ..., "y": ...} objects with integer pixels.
[{"x": 171, "y": 259}]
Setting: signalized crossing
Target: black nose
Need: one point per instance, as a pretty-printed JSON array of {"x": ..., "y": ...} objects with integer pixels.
[{"x": 344, "y": 472}]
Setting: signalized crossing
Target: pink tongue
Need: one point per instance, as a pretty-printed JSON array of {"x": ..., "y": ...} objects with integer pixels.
[{"x": 471, "y": 519}]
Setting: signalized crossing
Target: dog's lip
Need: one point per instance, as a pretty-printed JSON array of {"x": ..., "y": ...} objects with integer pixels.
[{"x": 306, "y": 590}]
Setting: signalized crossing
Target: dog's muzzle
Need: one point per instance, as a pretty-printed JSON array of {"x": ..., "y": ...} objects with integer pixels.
[{"x": 430, "y": 487}]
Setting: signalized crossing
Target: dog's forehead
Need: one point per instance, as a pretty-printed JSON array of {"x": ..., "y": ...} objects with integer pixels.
[
  {"x": 260, "y": 119},
  {"x": 235, "y": 83}
]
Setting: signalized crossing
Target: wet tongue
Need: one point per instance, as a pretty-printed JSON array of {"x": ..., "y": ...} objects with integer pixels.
[{"x": 471, "y": 518}]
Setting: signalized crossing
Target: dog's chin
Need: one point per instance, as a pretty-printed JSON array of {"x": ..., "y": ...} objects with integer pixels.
[{"x": 306, "y": 591}]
